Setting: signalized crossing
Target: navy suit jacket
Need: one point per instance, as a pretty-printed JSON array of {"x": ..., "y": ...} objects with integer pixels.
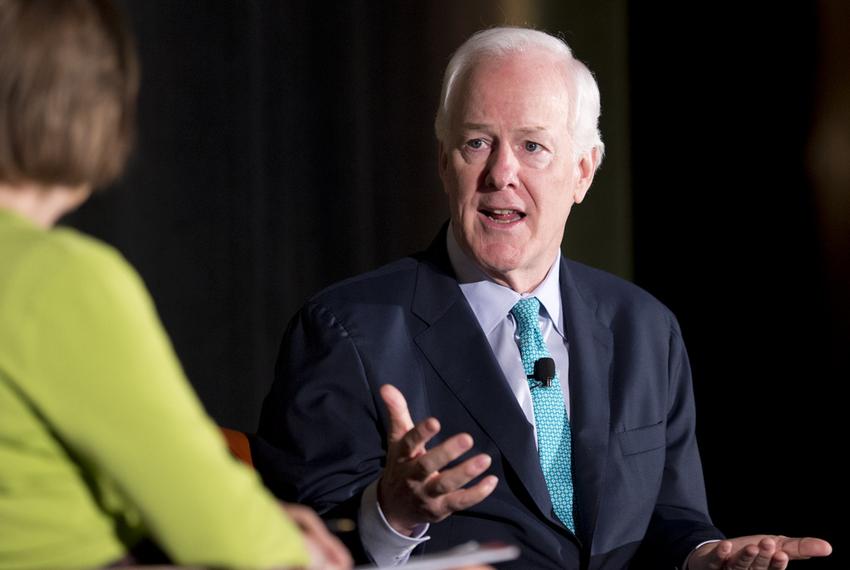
[{"x": 639, "y": 488}]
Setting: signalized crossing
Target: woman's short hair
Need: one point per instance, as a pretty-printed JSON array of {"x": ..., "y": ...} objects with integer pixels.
[
  {"x": 68, "y": 83},
  {"x": 584, "y": 108}
]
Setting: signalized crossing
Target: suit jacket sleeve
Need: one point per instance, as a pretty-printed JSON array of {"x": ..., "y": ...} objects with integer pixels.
[
  {"x": 320, "y": 440},
  {"x": 680, "y": 520}
]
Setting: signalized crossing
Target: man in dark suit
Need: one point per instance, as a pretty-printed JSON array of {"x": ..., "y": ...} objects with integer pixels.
[{"x": 592, "y": 465}]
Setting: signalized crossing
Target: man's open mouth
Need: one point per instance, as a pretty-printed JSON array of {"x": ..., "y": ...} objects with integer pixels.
[{"x": 503, "y": 216}]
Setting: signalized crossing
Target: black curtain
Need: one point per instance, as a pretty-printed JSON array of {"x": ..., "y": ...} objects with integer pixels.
[
  {"x": 723, "y": 99},
  {"x": 282, "y": 146}
]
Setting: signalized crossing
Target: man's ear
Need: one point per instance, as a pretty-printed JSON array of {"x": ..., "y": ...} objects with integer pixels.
[{"x": 587, "y": 165}]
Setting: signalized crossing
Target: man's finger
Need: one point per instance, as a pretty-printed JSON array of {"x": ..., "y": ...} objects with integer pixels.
[
  {"x": 799, "y": 548},
  {"x": 412, "y": 443},
  {"x": 453, "y": 479},
  {"x": 766, "y": 550},
  {"x": 743, "y": 559},
  {"x": 400, "y": 422},
  {"x": 441, "y": 455},
  {"x": 465, "y": 498},
  {"x": 716, "y": 558},
  {"x": 779, "y": 562}
]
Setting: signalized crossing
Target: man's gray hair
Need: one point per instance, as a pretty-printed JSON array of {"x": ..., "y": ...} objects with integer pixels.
[{"x": 582, "y": 91}]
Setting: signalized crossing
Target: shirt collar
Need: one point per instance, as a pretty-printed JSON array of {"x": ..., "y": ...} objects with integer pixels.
[{"x": 492, "y": 302}]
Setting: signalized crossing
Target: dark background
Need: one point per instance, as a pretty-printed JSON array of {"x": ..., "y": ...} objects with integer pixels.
[{"x": 285, "y": 145}]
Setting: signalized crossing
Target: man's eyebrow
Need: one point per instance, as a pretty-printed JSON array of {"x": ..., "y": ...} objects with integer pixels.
[
  {"x": 475, "y": 126},
  {"x": 520, "y": 130},
  {"x": 531, "y": 130}
]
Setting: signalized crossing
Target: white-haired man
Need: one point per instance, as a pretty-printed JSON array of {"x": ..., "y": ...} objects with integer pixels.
[{"x": 589, "y": 465}]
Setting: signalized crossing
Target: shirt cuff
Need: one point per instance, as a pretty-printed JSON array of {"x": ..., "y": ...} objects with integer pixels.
[
  {"x": 685, "y": 565},
  {"x": 384, "y": 545}
]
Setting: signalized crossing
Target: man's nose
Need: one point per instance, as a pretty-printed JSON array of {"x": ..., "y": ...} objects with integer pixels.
[{"x": 502, "y": 168}]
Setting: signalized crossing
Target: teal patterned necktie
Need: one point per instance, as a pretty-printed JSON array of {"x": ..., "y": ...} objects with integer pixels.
[{"x": 550, "y": 416}]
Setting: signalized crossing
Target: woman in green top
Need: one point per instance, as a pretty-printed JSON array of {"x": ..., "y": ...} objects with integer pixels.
[{"x": 103, "y": 444}]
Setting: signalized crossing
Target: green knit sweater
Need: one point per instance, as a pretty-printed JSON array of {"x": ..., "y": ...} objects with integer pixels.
[{"x": 102, "y": 440}]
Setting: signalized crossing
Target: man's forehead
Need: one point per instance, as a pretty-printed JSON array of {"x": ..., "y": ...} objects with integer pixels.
[{"x": 527, "y": 104}]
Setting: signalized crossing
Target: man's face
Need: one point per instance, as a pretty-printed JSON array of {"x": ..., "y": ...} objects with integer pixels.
[{"x": 509, "y": 168}]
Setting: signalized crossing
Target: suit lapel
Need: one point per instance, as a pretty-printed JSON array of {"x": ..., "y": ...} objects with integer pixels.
[
  {"x": 590, "y": 352},
  {"x": 459, "y": 352}
]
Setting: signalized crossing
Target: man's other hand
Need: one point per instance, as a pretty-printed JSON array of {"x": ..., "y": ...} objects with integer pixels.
[{"x": 757, "y": 552}]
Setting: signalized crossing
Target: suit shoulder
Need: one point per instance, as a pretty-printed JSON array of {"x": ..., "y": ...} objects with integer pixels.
[
  {"x": 392, "y": 281},
  {"x": 616, "y": 298}
]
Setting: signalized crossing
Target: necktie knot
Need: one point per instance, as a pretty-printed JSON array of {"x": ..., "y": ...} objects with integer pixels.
[
  {"x": 531, "y": 345},
  {"x": 527, "y": 312}
]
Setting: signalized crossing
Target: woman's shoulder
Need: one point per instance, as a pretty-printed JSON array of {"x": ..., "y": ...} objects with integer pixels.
[
  {"x": 63, "y": 261},
  {"x": 65, "y": 251},
  {"x": 77, "y": 247}
]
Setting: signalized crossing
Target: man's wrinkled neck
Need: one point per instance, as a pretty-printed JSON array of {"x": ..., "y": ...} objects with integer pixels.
[{"x": 468, "y": 271}]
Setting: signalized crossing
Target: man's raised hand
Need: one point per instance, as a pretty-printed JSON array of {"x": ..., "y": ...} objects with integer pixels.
[{"x": 414, "y": 489}]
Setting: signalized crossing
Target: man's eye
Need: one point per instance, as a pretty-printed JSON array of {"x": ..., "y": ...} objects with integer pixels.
[
  {"x": 532, "y": 146},
  {"x": 475, "y": 144}
]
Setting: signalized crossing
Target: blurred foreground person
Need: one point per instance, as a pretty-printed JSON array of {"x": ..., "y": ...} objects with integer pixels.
[{"x": 106, "y": 455}]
